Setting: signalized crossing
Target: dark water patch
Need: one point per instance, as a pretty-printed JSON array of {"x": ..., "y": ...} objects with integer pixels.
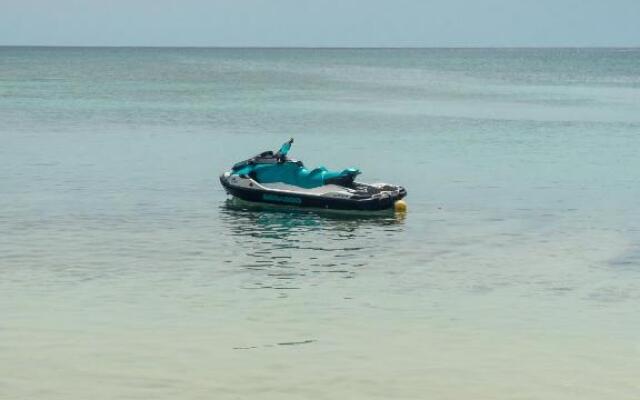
[
  {"x": 255, "y": 268},
  {"x": 289, "y": 343},
  {"x": 628, "y": 261},
  {"x": 560, "y": 290},
  {"x": 296, "y": 343},
  {"x": 480, "y": 289},
  {"x": 258, "y": 286},
  {"x": 297, "y": 241},
  {"x": 285, "y": 275},
  {"x": 613, "y": 294}
]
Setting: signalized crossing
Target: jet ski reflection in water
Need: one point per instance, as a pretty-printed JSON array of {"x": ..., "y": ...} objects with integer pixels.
[{"x": 273, "y": 178}]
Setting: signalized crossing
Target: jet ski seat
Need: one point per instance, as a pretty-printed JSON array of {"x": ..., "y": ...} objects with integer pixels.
[{"x": 296, "y": 174}]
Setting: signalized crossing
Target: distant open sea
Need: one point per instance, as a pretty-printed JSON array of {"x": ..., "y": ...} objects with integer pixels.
[{"x": 125, "y": 274}]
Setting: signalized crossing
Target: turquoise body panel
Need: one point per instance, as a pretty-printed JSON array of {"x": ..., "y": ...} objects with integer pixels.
[{"x": 293, "y": 173}]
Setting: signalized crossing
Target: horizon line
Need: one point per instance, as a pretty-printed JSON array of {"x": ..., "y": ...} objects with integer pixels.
[{"x": 322, "y": 47}]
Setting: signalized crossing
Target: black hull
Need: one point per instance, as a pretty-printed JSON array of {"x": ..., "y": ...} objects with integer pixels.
[{"x": 311, "y": 201}]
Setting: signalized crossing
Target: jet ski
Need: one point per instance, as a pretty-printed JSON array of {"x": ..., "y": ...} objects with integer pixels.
[{"x": 275, "y": 179}]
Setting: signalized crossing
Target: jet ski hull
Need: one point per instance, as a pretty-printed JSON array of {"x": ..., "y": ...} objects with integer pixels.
[{"x": 248, "y": 190}]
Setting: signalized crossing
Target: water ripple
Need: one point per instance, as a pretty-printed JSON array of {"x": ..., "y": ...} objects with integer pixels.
[{"x": 294, "y": 245}]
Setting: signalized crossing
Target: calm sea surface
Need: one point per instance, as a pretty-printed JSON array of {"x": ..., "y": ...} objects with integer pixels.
[{"x": 124, "y": 273}]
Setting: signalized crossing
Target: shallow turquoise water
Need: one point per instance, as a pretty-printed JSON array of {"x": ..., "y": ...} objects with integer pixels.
[{"x": 125, "y": 274}]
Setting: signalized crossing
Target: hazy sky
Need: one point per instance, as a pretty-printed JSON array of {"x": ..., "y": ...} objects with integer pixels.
[{"x": 321, "y": 23}]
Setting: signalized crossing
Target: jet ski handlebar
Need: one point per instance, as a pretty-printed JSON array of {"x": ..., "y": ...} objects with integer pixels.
[{"x": 267, "y": 157}]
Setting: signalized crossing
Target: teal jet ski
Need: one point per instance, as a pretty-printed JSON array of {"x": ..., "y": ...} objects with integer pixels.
[{"x": 273, "y": 178}]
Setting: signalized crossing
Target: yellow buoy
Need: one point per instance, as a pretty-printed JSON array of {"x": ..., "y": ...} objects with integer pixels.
[{"x": 400, "y": 206}]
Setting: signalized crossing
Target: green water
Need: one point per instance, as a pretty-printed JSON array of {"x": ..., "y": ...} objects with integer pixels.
[{"x": 125, "y": 274}]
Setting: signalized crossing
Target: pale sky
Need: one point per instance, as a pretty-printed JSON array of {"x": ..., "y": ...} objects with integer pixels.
[{"x": 340, "y": 23}]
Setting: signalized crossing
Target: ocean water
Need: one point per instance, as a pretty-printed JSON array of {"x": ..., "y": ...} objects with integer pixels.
[{"x": 125, "y": 273}]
